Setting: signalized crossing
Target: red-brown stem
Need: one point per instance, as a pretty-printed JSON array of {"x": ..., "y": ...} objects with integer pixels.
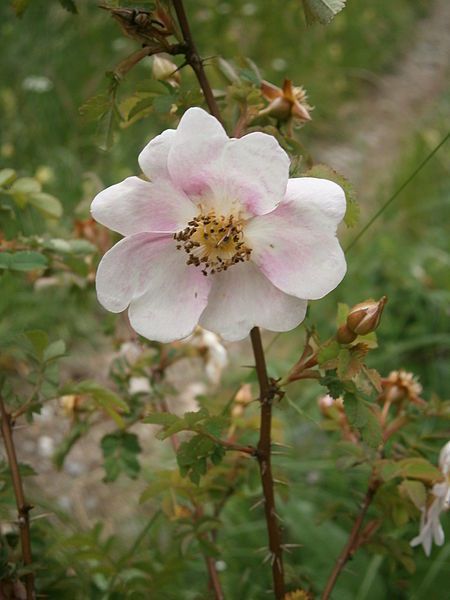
[
  {"x": 23, "y": 509},
  {"x": 193, "y": 59},
  {"x": 265, "y": 467},
  {"x": 352, "y": 543}
]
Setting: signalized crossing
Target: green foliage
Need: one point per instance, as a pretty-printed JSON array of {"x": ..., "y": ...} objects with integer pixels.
[{"x": 120, "y": 453}]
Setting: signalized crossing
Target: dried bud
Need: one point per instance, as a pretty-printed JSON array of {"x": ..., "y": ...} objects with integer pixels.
[
  {"x": 165, "y": 70},
  {"x": 401, "y": 386},
  {"x": 287, "y": 103},
  {"x": 365, "y": 317}
]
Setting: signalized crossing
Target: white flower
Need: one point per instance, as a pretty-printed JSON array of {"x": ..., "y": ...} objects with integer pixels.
[
  {"x": 430, "y": 525},
  {"x": 216, "y": 358},
  {"x": 219, "y": 237}
]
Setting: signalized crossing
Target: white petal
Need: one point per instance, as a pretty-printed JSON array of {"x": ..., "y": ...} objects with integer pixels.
[
  {"x": 198, "y": 143},
  {"x": 295, "y": 246},
  {"x": 153, "y": 158},
  {"x": 254, "y": 170},
  {"x": 125, "y": 270},
  {"x": 242, "y": 298},
  {"x": 174, "y": 300},
  {"x": 134, "y": 206},
  {"x": 249, "y": 173}
]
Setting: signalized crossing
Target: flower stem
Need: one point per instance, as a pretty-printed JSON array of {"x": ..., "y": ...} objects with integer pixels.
[
  {"x": 352, "y": 543},
  {"x": 193, "y": 59},
  {"x": 264, "y": 460},
  {"x": 23, "y": 508}
]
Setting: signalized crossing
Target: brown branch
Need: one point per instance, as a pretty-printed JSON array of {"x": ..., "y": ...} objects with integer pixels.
[
  {"x": 23, "y": 508},
  {"x": 352, "y": 543},
  {"x": 193, "y": 59},
  {"x": 264, "y": 460}
]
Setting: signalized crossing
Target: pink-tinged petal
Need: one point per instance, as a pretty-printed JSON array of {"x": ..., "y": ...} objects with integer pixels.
[
  {"x": 254, "y": 170},
  {"x": 147, "y": 272},
  {"x": 125, "y": 271},
  {"x": 295, "y": 246},
  {"x": 176, "y": 297},
  {"x": 153, "y": 158},
  {"x": 133, "y": 206},
  {"x": 249, "y": 173},
  {"x": 242, "y": 298},
  {"x": 197, "y": 145}
]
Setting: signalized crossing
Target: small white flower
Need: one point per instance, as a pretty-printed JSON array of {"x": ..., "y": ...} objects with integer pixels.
[
  {"x": 139, "y": 385},
  {"x": 430, "y": 525},
  {"x": 216, "y": 358}
]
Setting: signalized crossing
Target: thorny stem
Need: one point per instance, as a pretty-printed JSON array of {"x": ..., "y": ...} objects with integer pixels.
[
  {"x": 263, "y": 450},
  {"x": 23, "y": 509},
  {"x": 193, "y": 59},
  {"x": 352, "y": 543},
  {"x": 264, "y": 460}
]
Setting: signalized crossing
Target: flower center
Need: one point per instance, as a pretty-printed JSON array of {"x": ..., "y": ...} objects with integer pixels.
[{"x": 213, "y": 242}]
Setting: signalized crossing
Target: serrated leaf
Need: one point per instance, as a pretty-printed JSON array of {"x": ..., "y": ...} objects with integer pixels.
[
  {"x": 47, "y": 205},
  {"x": 328, "y": 354},
  {"x": 351, "y": 361},
  {"x": 120, "y": 452},
  {"x": 351, "y": 216},
  {"x": 161, "y": 419},
  {"x": 322, "y": 11},
  {"x": 371, "y": 432},
  {"x": 95, "y": 108},
  {"x": 7, "y": 176},
  {"x": 334, "y": 386},
  {"x": 163, "y": 104},
  {"x": 356, "y": 411}
]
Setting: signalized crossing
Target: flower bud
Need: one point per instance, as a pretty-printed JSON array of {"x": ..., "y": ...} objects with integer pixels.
[
  {"x": 365, "y": 317},
  {"x": 165, "y": 70},
  {"x": 345, "y": 336}
]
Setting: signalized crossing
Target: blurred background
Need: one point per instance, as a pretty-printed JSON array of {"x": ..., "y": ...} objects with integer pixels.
[{"x": 377, "y": 78}]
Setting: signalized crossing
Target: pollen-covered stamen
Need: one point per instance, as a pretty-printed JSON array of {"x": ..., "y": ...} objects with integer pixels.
[{"x": 213, "y": 242}]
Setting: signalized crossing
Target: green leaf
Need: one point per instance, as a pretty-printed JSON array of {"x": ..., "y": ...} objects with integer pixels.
[
  {"x": 410, "y": 468},
  {"x": 163, "y": 104},
  {"x": 95, "y": 108},
  {"x": 322, "y": 11},
  {"x": 351, "y": 216},
  {"x": 192, "y": 456},
  {"x": 7, "y": 176},
  {"x": 142, "y": 105},
  {"x": 39, "y": 341},
  {"x": 77, "y": 431},
  {"x": 161, "y": 419},
  {"x": 355, "y": 410},
  {"x": 54, "y": 350},
  {"x": 328, "y": 353},
  {"x": 47, "y": 205},
  {"x": 415, "y": 491},
  {"x": 23, "y": 261},
  {"x": 371, "y": 431},
  {"x": 106, "y": 399},
  {"x": 26, "y": 185},
  {"x": 120, "y": 453}
]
